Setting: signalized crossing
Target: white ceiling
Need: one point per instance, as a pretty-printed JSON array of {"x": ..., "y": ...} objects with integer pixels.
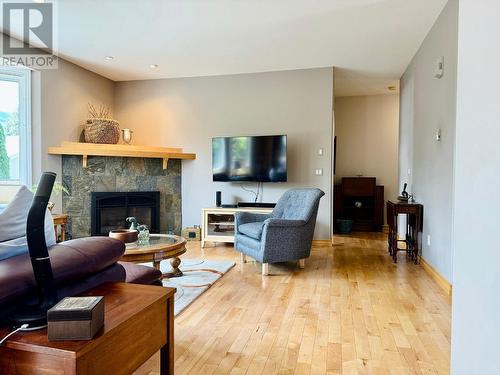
[{"x": 369, "y": 38}]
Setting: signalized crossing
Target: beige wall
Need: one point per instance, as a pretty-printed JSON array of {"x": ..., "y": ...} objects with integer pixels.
[
  {"x": 188, "y": 112},
  {"x": 60, "y": 99},
  {"x": 475, "y": 328},
  {"x": 367, "y": 130},
  {"x": 59, "y": 108},
  {"x": 429, "y": 104}
]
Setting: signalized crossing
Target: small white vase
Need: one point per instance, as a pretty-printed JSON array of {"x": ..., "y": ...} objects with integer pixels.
[{"x": 127, "y": 135}]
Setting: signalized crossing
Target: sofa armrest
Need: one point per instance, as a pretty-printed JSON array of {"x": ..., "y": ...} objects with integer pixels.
[
  {"x": 72, "y": 261},
  {"x": 285, "y": 223}
]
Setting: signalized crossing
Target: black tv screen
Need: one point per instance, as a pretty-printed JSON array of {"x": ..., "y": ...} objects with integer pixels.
[{"x": 259, "y": 159}]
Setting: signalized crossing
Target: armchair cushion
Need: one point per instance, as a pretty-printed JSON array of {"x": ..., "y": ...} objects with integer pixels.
[{"x": 253, "y": 230}]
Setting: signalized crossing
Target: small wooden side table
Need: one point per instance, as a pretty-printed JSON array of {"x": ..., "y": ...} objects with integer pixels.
[
  {"x": 138, "y": 321},
  {"x": 414, "y": 223},
  {"x": 60, "y": 220}
]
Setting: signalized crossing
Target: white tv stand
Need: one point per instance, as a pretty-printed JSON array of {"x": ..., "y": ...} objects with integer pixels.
[{"x": 217, "y": 223}]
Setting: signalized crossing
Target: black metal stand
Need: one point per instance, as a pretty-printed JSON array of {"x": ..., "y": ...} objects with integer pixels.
[{"x": 36, "y": 315}]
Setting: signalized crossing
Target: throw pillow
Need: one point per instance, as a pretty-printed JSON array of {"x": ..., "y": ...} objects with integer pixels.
[{"x": 13, "y": 225}]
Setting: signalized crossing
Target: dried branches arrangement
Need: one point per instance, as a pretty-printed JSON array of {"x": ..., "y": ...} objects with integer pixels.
[
  {"x": 100, "y": 127},
  {"x": 100, "y": 112}
]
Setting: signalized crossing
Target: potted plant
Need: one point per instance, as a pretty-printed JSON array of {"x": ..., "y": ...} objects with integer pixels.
[{"x": 58, "y": 189}]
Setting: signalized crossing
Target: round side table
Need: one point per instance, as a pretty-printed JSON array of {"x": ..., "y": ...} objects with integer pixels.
[{"x": 160, "y": 247}]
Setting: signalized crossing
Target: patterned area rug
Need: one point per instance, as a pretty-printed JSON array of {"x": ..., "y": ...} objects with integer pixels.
[{"x": 199, "y": 275}]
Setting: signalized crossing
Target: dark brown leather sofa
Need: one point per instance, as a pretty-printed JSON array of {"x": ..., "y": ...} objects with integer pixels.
[{"x": 78, "y": 265}]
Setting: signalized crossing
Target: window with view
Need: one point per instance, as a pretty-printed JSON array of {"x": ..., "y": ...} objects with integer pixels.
[{"x": 15, "y": 129}]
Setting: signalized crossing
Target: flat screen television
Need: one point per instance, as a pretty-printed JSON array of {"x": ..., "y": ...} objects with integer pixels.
[{"x": 259, "y": 158}]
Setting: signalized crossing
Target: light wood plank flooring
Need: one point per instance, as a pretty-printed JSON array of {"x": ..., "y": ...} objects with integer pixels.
[{"x": 350, "y": 311}]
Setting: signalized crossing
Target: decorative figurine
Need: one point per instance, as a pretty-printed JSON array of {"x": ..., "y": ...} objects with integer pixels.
[
  {"x": 404, "y": 197},
  {"x": 133, "y": 222}
]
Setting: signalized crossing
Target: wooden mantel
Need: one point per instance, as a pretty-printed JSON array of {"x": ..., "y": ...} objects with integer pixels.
[{"x": 131, "y": 151}]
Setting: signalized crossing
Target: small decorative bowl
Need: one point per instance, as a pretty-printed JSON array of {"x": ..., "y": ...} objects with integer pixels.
[{"x": 124, "y": 235}]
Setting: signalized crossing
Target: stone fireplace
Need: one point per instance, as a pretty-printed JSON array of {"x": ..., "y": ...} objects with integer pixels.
[{"x": 121, "y": 175}]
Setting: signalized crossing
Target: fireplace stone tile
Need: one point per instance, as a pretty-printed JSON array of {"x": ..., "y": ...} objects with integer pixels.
[
  {"x": 120, "y": 174},
  {"x": 95, "y": 166}
]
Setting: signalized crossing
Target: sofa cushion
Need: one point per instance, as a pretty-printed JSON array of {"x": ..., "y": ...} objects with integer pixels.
[
  {"x": 12, "y": 248},
  {"x": 13, "y": 233},
  {"x": 15, "y": 215},
  {"x": 253, "y": 230},
  {"x": 72, "y": 261},
  {"x": 137, "y": 274}
]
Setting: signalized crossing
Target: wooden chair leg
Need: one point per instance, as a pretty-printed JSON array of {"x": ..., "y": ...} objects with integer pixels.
[
  {"x": 243, "y": 258},
  {"x": 265, "y": 269},
  {"x": 302, "y": 263}
]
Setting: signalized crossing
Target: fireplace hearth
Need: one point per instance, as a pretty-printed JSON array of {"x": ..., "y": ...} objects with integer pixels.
[{"x": 110, "y": 209}]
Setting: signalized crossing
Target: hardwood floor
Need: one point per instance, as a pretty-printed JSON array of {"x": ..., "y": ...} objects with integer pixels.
[{"x": 350, "y": 311}]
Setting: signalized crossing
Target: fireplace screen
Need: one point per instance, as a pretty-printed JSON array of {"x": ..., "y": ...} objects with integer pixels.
[{"x": 109, "y": 210}]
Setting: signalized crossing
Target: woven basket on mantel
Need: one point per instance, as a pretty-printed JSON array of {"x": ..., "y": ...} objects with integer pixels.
[{"x": 102, "y": 130}]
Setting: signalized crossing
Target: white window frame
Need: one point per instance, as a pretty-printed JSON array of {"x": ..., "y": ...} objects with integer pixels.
[{"x": 23, "y": 77}]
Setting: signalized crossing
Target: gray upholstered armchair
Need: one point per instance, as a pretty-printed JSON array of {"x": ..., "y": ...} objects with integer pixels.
[{"x": 285, "y": 234}]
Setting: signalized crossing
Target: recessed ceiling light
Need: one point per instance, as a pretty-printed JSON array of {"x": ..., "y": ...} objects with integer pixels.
[
  {"x": 109, "y": 57},
  {"x": 153, "y": 66}
]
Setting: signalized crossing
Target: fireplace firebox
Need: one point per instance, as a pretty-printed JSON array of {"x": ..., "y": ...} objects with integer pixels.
[{"x": 110, "y": 209}]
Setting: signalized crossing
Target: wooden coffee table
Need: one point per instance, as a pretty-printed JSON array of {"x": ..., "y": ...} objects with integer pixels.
[
  {"x": 160, "y": 247},
  {"x": 138, "y": 321}
]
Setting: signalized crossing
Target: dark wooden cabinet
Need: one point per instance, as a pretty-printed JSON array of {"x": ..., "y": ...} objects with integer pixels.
[{"x": 360, "y": 199}]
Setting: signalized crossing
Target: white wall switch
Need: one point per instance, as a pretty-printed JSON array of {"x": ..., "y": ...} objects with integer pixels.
[
  {"x": 428, "y": 240},
  {"x": 320, "y": 152},
  {"x": 409, "y": 171},
  {"x": 319, "y": 172}
]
